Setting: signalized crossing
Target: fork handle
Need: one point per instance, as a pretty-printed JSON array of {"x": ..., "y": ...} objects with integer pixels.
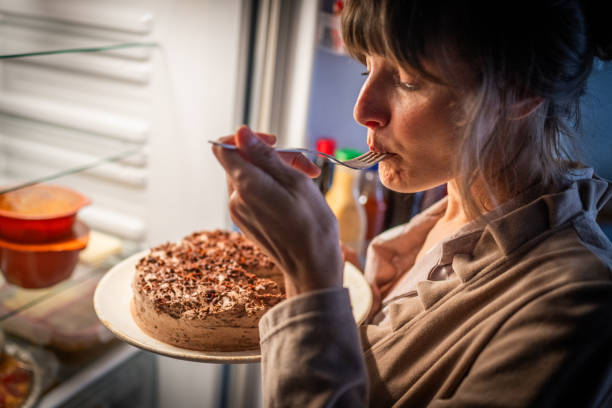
[{"x": 282, "y": 150}]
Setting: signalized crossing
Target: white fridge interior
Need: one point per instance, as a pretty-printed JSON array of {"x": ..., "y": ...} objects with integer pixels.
[{"x": 64, "y": 111}]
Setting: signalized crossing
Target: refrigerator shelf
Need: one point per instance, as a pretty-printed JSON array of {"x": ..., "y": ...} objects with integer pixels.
[{"x": 62, "y": 316}]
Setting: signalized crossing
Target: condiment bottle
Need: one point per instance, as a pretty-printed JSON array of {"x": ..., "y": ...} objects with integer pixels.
[
  {"x": 372, "y": 197},
  {"x": 343, "y": 199},
  {"x": 328, "y": 146}
]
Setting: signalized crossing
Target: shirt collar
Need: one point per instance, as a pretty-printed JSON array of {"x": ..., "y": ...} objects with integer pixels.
[{"x": 525, "y": 218}]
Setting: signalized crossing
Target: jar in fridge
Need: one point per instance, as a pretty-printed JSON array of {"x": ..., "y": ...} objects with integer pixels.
[
  {"x": 372, "y": 198},
  {"x": 343, "y": 199}
]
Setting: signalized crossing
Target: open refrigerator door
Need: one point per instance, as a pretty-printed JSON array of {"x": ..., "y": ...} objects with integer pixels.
[{"x": 116, "y": 100}]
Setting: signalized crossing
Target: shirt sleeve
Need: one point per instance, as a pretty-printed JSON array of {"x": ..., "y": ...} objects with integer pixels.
[{"x": 311, "y": 352}]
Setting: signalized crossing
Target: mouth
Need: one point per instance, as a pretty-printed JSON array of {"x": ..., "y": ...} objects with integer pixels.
[
  {"x": 382, "y": 151},
  {"x": 376, "y": 147}
]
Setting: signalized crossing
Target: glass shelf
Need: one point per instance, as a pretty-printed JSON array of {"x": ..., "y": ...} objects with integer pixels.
[
  {"x": 114, "y": 151},
  {"x": 22, "y": 37},
  {"x": 40, "y": 143},
  {"x": 79, "y": 106},
  {"x": 12, "y": 181},
  {"x": 14, "y": 299},
  {"x": 60, "y": 316},
  {"x": 8, "y": 51}
]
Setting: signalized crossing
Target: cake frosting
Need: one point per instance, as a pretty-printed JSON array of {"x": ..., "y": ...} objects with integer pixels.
[{"x": 206, "y": 292}]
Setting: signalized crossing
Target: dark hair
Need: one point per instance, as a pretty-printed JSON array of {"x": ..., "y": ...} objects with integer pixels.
[{"x": 515, "y": 52}]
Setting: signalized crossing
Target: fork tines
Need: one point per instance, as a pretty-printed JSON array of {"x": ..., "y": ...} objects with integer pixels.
[
  {"x": 365, "y": 160},
  {"x": 370, "y": 157}
]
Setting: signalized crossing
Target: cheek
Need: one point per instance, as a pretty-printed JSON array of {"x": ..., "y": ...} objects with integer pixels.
[
  {"x": 385, "y": 175},
  {"x": 393, "y": 177},
  {"x": 404, "y": 176}
]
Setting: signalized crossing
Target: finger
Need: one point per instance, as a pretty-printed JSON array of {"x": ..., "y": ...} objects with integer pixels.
[
  {"x": 265, "y": 158},
  {"x": 295, "y": 160},
  {"x": 228, "y": 140},
  {"x": 350, "y": 255},
  {"x": 249, "y": 180},
  {"x": 300, "y": 162},
  {"x": 267, "y": 138},
  {"x": 231, "y": 139},
  {"x": 264, "y": 137},
  {"x": 240, "y": 214}
]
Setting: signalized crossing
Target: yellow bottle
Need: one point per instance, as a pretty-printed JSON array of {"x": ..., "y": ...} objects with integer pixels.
[{"x": 343, "y": 199}]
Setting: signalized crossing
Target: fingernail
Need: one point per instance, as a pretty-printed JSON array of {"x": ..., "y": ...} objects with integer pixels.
[
  {"x": 268, "y": 139},
  {"x": 251, "y": 139},
  {"x": 247, "y": 137}
]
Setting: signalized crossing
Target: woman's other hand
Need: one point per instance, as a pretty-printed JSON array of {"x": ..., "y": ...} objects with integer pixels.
[
  {"x": 276, "y": 205},
  {"x": 351, "y": 256}
]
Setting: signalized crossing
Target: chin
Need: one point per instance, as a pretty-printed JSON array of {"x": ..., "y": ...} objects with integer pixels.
[
  {"x": 405, "y": 180},
  {"x": 394, "y": 179},
  {"x": 399, "y": 187}
]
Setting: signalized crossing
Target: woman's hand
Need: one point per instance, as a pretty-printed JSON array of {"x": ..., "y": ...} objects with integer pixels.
[
  {"x": 351, "y": 256},
  {"x": 276, "y": 205}
]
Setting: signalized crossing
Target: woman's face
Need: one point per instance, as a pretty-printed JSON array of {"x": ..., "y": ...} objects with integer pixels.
[{"x": 412, "y": 118}]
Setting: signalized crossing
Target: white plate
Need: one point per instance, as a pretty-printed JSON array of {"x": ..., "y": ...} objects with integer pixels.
[{"x": 112, "y": 304}]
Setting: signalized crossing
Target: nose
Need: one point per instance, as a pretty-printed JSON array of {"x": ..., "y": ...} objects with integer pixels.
[{"x": 371, "y": 108}]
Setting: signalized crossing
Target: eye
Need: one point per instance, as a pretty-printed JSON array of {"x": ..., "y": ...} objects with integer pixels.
[
  {"x": 365, "y": 73},
  {"x": 407, "y": 85}
]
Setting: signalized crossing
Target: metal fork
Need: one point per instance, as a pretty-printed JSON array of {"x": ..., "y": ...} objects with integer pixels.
[{"x": 364, "y": 161}]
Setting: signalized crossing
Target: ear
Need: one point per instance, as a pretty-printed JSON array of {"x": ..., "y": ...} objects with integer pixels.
[{"x": 525, "y": 107}]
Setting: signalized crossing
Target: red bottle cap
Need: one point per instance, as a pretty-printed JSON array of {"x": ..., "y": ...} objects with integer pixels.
[{"x": 327, "y": 146}]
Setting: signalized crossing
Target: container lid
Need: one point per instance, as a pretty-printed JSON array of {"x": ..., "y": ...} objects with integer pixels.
[
  {"x": 326, "y": 145},
  {"x": 77, "y": 240},
  {"x": 347, "y": 154},
  {"x": 41, "y": 202}
]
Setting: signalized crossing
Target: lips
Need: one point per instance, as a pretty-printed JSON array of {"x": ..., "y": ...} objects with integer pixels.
[{"x": 375, "y": 146}]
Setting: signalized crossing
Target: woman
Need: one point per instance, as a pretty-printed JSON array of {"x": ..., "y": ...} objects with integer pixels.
[{"x": 498, "y": 295}]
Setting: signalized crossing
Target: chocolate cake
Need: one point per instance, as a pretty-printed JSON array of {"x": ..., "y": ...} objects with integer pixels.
[{"x": 206, "y": 292}]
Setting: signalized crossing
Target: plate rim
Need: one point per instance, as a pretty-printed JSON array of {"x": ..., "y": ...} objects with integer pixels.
[{"x": 220, "y": 357}]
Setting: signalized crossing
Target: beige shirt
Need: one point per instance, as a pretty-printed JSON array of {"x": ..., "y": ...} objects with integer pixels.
[
  {"x": 401, "y": 279},
  {"x": 521, "y": 317},
  {"x": 433, "y": 266}
]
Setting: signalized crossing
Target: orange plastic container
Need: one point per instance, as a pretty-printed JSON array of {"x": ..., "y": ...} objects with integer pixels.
[
  {"x": 41, "y": 265},
  {"x": 39, "y": 213}
]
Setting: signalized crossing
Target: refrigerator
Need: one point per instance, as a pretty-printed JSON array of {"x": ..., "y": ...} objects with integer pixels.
[
  {"x": 116, "y": 99},
  {"x": 146, "y": 83}
]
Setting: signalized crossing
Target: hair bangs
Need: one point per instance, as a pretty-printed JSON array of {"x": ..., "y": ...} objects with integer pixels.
[
  {"x": 362, "y": 30},
  {"x": 397, "y": 31}
]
